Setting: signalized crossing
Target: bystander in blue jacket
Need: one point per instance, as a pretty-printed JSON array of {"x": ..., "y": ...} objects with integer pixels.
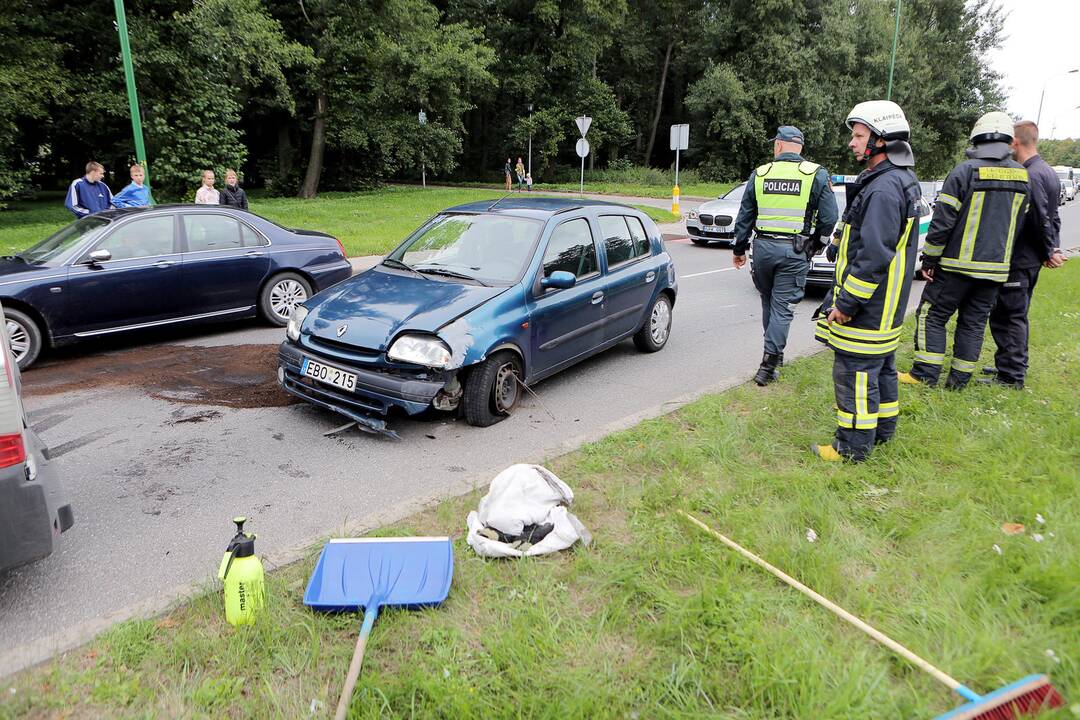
[
  {"x": 136, "y": 194},
  {"x": 88, "y": 194}
]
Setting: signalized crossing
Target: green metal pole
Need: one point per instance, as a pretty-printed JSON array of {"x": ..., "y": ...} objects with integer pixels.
[
  {"x": 133, "y": 96},
  {"x": 895, "y": 40}
]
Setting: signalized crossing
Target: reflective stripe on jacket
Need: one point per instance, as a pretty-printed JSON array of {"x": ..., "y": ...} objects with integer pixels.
[
  {"x": 783, "y": 190},
  {"x": 875, "y": 263},
  {"x": 979, "y": 214}
]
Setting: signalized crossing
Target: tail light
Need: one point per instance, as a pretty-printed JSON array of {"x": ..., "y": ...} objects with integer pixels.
[
  {"x": 340, "y": 247},
  {"x": 12, "y": 450}
]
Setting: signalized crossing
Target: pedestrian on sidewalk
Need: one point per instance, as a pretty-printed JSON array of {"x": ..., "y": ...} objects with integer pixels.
[
  {"x": 232, "y": 194},
  {"x": 789, "y": 206},
  {"x": 519, "y": 170},
  {"x": 507, "y": 171},
  {"x": 977, "y": 218},
  {"x": 1037, "y": 246},
  {"x": 136, "y": 194},
  {"x": 872, "y": 280},
  {"x": 89, "y": 194},
  {"x": 207, "y": 194},
  {"x": 528, "y": 181}
]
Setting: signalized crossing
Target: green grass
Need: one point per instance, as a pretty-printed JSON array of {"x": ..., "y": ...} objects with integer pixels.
[
  {"x": 657, "y": 620},
  {"x": 633, "y": 189},
  {"x": 367, "y": 223}
]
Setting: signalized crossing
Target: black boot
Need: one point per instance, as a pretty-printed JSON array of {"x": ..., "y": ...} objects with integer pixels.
[{"x": 769, "y": 370}]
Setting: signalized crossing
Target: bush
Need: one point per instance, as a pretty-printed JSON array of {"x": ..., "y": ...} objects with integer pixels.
[{"x": 623, "y": 173}]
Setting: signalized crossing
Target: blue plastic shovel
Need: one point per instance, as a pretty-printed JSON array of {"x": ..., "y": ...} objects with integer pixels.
[{"x": 373, "y": 573}]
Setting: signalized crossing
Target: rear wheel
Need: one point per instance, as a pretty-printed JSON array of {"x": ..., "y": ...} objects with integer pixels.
[
  {"x": 653, "y": 335},
  {"x": 493, "y": 389},
  {"x": 280, "y": 296},
  {"x": 24, "y": 335}
]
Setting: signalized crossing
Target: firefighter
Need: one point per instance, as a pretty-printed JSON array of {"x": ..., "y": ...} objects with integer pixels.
[
  {"x": 978, "y": 216},
  {"x": 789, "y": 205},
  {"x": 875, "y": 257}
]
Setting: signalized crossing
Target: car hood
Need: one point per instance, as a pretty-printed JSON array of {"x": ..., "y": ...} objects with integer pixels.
[
  {"x": 719, "y": 207},
  {"x": 10, "y": 267},
  {"x": 376, "y": 305}
]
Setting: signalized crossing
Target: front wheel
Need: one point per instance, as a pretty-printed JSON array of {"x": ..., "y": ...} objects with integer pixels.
[
  {"x": 24, "y": 336},
  {"x": 653, "y": 335},
  {"x": 493, "y": 389},
  {"x": 280, "y": 296}
]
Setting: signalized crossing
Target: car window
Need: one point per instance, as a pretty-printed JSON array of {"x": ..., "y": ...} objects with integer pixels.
[
  {"x": 735, "y": 194},
  {"x": 924, "y": 207},
  {"x": 571, "y": 248},
  {"x": 642, "y": 246},
  {"x": 250, "y": 237},
  {"x": 618, "y": 244},
  {"x": 211, "y": 232},
  {"x": 63, "y": 241},
  {"x": 146, "y": 237}
]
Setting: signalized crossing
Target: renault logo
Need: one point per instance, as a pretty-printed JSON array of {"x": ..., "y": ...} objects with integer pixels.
[{"x": 342, "y": 330}]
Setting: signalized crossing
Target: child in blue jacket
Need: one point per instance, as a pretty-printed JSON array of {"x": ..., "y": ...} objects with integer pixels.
[
  {"x": 136, "y": 194},
  {"x": 88, "y": 194}
]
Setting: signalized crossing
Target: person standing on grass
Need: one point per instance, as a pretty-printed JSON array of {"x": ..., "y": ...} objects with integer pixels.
[
  {"x": 232, "y": 194},
  {"x": 978, "y": 216},
  {"x": 89, "y": 194},
  {"x": 507, "y": 171},
  {"x": 207, "y": 194},
  {"x": 136, "y": 194},
  {"x": 789, "y": 205},
  {"x": 519, "y": 169},
  {"x": 528, "y": 181},
  {"x": 864, "y": 311},
  {"x": 1037, "y": 246}
]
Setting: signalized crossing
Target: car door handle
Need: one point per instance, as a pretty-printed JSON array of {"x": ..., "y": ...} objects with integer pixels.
[
  {"x": 164, "y": 263},
  {"x": 254, "y": 253},
  {"x": 597, "y": 297},
  {"x": 650, "y": 276}
]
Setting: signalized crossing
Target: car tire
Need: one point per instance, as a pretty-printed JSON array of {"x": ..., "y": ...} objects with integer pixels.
[
  {"x": 493, "y": 389},
  {"x": 24, "y": 336},
  {"x": 280, "y": 295},
  {"x": 655, "y": 331}
]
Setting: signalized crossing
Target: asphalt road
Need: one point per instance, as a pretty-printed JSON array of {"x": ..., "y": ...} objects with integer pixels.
[{"x": 160, "y": 444}]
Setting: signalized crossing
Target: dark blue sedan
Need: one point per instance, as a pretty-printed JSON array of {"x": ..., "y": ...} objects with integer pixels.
[
  {"x": 147, "y": 267},
  {"x": 482, "y": 298}
]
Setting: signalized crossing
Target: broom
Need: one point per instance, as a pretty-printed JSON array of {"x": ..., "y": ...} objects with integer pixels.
[{"x": 1023, "y": 697}]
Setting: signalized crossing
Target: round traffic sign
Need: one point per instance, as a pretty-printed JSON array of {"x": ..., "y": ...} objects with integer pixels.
[{"x": 582, "y": 147}]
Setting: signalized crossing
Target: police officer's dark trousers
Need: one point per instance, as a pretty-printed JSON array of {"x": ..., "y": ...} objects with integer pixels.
[
  {"x": 867, "y": 402},
  {"x": 1009, "y": 324},
  {"x": 971, "y": 300},
  {"x": 780, "y": 276}
]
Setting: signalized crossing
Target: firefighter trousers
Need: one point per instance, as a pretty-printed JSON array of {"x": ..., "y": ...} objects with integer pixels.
[
  {"x": 1009, "y": 324},
  {"x": 867, "y": 402},
  {"x": 971, "y": 300}
]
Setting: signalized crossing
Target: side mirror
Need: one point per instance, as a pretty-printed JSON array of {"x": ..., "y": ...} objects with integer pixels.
[
  {"x": 558, "y": 280},
  {"x": 100, "y": 256}
]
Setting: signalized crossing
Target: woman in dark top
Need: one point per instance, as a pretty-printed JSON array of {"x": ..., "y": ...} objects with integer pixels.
[{"x": 232, "y": 194}]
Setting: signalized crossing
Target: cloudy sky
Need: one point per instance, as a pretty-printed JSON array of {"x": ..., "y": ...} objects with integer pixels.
[{"x": 1042, "y": 44}]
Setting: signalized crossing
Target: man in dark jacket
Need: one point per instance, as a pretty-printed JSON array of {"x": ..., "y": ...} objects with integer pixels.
[
  {"x": 89, "y": 194},
  {"x": 969, "y": 246},
  {"x": 789, "y": 206},
  {"x": 233, "y": 194},
  {"x": 875, "y": 256},
  {"x": 1037, "y": 246}
]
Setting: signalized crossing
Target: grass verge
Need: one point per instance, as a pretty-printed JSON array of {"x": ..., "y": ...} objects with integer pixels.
[
  {"x": 633, "y": 189},
  {"x": 367, "y": 223},
  {"x": 656, "y": 620}
]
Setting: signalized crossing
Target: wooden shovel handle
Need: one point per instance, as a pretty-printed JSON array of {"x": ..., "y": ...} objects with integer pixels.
[{"x": 357, "y": 661}]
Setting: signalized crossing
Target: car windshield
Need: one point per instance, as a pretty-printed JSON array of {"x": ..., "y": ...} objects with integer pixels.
[
  {"x": 483, "y": 248},
  {"x": 60, "y": 242},
  {"x": 735, "y": 194}
]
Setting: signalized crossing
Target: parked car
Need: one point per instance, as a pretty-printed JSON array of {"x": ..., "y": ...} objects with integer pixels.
[
  {"x": 34, "y": 510},
  {"x": 714, "y": 221},
  {"x": 1070, "y": 190},
  {"x": 146, "y": 267},
  {"x": 930, "y": 190},
  {"x": 478, "y": 301}
]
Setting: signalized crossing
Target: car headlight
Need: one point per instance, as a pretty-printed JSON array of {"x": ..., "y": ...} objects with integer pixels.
[
  {"x": 421, "y": 350},
  {"x": 692, "y": 215},
  {"x": 296, "y": 319}
]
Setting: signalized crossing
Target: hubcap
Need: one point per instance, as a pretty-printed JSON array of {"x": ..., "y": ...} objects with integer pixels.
[
  {"x": 660, "y": 322},
  {"x": 19, "y": 339},
  {"x": 506, "y": 387},
  {"x": 285, "y": 296}
]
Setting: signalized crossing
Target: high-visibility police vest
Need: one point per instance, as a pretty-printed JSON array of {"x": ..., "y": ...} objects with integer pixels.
[{"x": 782, "y": 189}]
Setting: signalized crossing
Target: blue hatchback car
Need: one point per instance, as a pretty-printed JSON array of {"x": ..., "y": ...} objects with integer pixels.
[
  {"x": 480, "y": 299},
  {"x": 148, "y": 267}
]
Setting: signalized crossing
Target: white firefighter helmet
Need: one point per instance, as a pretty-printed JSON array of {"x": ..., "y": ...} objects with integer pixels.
[
  {"x": 884, "y": 118},
  {"x": 993, "y": 127}
]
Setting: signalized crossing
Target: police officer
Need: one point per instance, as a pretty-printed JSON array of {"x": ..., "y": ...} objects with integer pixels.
[
  {"x": 789, "y": 205},
  {"x": 875, "y": 256},
  {"x": 978, "y": 215}
]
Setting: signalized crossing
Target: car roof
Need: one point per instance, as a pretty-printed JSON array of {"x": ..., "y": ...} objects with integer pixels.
[
  {"x": 540, "y": 208},
  {"x": 117, "y": 213}
]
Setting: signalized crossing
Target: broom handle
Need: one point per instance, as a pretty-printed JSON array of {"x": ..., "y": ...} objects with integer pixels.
[
  {"x": 836, "y": 610},
  {"x": 357, "y": 660}
]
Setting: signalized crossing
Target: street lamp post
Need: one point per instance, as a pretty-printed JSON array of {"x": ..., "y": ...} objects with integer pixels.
[
  {"x": 129, "y": 80},
  {"x": 530, "y": 140},
  {"x": 1043, "y": 95},
  {"x": 895, "y": 41}
]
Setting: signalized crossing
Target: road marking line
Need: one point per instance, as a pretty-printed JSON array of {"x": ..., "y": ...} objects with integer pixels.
[{"x": 707, "y": 272}]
